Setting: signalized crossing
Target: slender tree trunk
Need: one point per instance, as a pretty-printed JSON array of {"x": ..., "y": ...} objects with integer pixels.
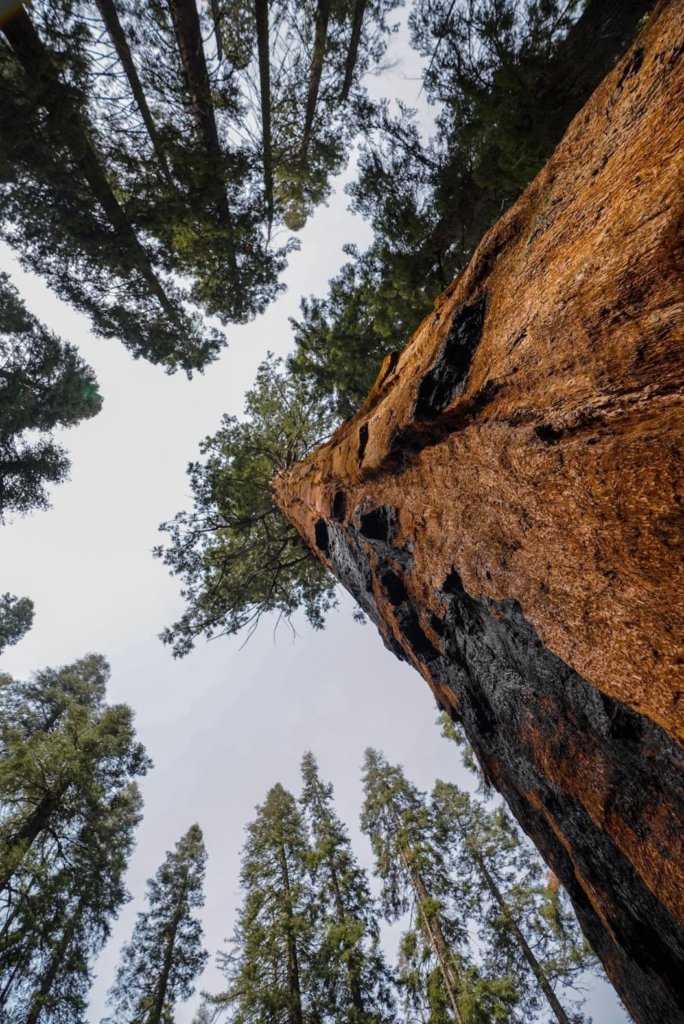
[
  {"x": 353, "y": 51},
  {"x": 27, "y": 834},
  {"x": 440, "y": 946},
  {"x": 354, "y": 987},
  {"x": 261, "y": 15},
  {"x": 8, "y": 975},
  {"x": 522, "y": 942},
  {"x": 436, "y": 936},
  {"x": 215, "y": 8},
  {"x": 50, "y": 976},
  {"x": 293, "y": 982},
  {"x": 155, "y": 1016},
  {"x": 37, "y": 63},
  {"x": 316, "y": 71},
  {"x": 188, "y": 33},
  {"x": 110, "y": 17}
]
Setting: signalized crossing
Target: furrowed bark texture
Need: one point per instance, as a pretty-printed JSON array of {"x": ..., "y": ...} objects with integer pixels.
[{"x": 505, "y": 509}]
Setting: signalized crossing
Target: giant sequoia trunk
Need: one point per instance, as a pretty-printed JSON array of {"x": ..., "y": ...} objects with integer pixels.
[{"x": 504, "y": 509}]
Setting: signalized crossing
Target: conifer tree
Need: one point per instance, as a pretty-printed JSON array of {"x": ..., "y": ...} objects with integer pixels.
[
  {"x": 69, "y": 806},
  {"x": 527, "y": 922},
  {"x": 62, "y": 750},
  {"x": 16, "y": 618},
  {"x": 395, "y": 819},
  {"x": 438, "y": 973},
  {"x": 142, "y": 171},
  {"x": 165, "y": 954},
  {"x": 355, "y": 982},
  {"x": 44, "y": 384},
  {"x": 236, "y": 553},
  {"x": 271, "y": 969},
  {"x": 59, "y": 206}
]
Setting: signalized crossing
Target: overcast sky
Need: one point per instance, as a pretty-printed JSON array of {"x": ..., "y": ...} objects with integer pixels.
[{"x": 225, "y": 723}]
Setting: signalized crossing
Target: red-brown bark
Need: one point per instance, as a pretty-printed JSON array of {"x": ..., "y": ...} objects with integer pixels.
[{"x": 506, "y": 507}]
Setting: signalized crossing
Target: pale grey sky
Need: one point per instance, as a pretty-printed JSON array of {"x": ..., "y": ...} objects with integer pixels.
[{"x": 224, "y": 724}]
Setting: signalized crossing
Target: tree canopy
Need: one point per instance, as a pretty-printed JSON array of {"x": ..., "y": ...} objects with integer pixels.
[
  {"x": 16, "y": 618},
  {"x": 165, "y": 954},
  {"x": 236, "y": 554},
  {"x": 44, "y": 384},
  {"x": 152, "y": 152},
  {"x": 69, "y": 806}
]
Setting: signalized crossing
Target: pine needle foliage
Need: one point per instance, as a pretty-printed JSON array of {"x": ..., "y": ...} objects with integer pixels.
[
  {"x": 69, "y": 806},
  {"x": 165, "y": 954},
  {"x": 235, "y": 552}
]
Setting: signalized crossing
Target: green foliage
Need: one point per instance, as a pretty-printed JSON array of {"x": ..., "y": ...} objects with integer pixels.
[
  {"x": 69, "y": 806},
  {"x": 508, "y": 75},
  {"x": 149, "y": 150},
  {"x": 342, "y": 340},
  {"x": 16, "y": 618},
  {"x": 350, "y": 969},
  {"x": 43, "y": 384},
  {"x": 306, "y": 944},
  {"x": 271, "y": 967},
  {"x": 237, "y": 555},
  {"x": 411, "y": 865},
  {"x": 165, "y": 954},
  {"x": 61, "y": 205},
  {"x": 523, "y": 917}
]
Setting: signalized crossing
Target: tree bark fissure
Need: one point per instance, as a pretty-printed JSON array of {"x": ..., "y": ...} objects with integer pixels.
[{"x": 519, "y": 464}]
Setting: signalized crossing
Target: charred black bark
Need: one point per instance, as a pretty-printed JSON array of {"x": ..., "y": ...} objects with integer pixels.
[{"x": 529, "y": 716}]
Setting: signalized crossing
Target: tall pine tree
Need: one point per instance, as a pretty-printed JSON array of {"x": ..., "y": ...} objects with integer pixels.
[
  {"x": 395, "y": 819},
  {"x": 272, "y": 967},
  {"x": 524, "y": 919},
  {"x": 69, "y": 805},
  {"x": 440, "y": 975},
  {"x": 354, "y": 980},
  {"x": 165, "y": 954}
]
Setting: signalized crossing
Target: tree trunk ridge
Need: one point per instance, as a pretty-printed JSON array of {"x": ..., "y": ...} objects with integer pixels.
[{"x": 503, "y": 507}]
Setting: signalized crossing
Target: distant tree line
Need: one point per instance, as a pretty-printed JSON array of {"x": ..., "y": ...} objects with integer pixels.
[
  {"x": 506, "y": 77},
  {"x": 489, "y": 936}
]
